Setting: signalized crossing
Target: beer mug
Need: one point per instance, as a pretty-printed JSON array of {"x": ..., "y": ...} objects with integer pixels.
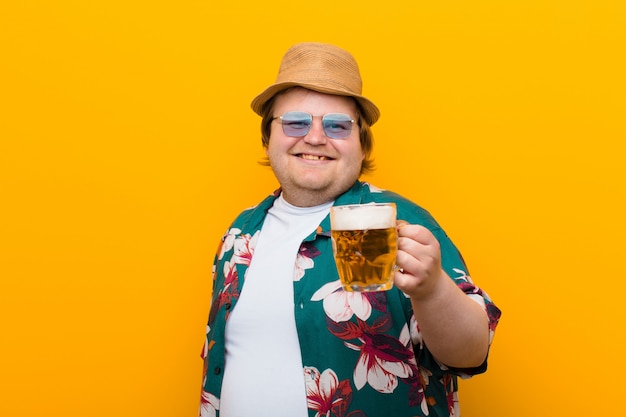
[{"x": 365, "y": 243}]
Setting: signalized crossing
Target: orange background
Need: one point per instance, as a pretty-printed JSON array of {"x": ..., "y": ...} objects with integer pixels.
[{"x": 127, "y": 146}]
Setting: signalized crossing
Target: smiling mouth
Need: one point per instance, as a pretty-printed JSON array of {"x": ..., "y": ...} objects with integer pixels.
[{"x": 313, "y": 157}]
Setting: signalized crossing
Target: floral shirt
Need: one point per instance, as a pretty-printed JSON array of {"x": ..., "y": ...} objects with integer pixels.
[{"x": 362, "y": 353}]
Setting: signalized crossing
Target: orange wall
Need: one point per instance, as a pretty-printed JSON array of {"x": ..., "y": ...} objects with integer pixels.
[{"x": 127, "y": 146}]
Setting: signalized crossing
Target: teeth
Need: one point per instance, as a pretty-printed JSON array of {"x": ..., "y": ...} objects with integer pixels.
[{"x": 313, "y": 157}]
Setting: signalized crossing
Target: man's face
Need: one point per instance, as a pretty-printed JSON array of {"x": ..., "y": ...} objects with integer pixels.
[{"x": 314, "y": 169}]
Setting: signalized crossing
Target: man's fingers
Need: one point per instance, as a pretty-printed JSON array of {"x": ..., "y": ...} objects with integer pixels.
[{"x": 417, "y": 233}]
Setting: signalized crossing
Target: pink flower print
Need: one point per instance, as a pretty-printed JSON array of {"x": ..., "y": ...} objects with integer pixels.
[
  {"x": 341, "y": 305},
  {"x": 230, "y": 273},
  {"x": 244, "y": 248},
  {"x": 383, "y": 360},
  {"x": 228, "y": 293},
  {"x": 302, "y": 263},
  {"x": 325, "y": 394},
  {"x": 229, "y": 241},
  {"x": 209, "y": 403},
  {"x": 304, "y": 259}
]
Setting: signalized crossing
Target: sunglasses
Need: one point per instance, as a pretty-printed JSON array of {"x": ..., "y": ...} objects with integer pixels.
[{"x": 297, "y": 124}]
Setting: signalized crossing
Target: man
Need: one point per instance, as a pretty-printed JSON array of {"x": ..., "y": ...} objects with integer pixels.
[{"x": 283, "y": 337}]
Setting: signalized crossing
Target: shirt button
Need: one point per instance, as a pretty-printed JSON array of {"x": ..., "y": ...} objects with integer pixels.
[{"x": 217, "y": 370}]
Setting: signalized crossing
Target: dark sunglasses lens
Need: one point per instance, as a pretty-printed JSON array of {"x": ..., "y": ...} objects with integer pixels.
[
  {"x": 337, "y": 126},
  {"x": 296, "y": 124}
]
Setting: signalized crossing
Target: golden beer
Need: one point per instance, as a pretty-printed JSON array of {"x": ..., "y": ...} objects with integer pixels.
[{"x": 365, "y": 243}]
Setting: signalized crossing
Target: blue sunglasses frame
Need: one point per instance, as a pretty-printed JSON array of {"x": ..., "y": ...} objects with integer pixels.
[{"x": 297, "y": 124}]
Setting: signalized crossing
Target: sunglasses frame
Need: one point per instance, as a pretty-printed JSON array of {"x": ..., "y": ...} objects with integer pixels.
[{"x": 308, "y": 118}]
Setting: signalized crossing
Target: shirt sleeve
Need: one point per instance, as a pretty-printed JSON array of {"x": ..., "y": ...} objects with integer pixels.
[{"x": 454, "y": 265}]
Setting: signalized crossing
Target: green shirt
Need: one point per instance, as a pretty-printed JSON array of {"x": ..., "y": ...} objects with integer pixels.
[{"x": 362, "y": 353}]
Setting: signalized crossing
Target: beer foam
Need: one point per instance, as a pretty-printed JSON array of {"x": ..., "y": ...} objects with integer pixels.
[{"x": 363, "y": 217}]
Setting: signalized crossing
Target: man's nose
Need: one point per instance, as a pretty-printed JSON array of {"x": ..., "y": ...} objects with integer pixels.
[{"x": 316, "y": 135}]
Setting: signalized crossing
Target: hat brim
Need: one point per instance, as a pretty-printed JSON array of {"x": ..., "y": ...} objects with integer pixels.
[{"x": 370, "y": 111}]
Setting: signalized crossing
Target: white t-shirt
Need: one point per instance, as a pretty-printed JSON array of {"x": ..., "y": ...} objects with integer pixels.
[{"x": 263, "y": 374}]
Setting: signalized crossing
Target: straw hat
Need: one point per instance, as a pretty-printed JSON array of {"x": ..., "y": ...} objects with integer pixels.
[{"x": 320, "y": 67}]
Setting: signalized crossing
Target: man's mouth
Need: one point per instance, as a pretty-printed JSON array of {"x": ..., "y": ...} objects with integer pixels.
[{"x": 314, "y": 157}]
